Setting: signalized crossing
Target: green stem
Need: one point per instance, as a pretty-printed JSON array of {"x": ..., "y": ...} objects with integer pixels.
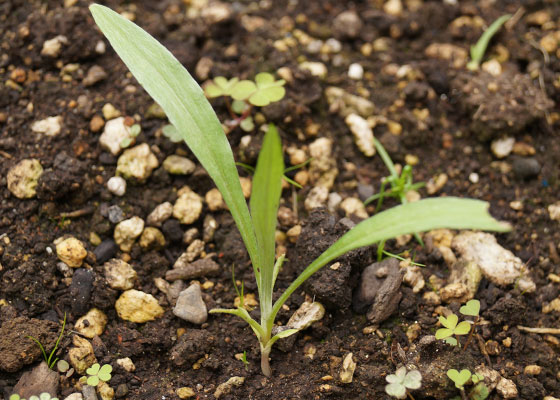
[{"x": 265, "y": 362}]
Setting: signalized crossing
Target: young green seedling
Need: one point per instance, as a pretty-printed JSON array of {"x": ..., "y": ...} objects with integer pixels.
[
  {"x": 48, "y": 359},
  {"x": 97, "y": 373},
  {"x": 479, "y": 392},
  {"x": 451, "y": 328},
  {"x": 401, "y": 382},
  {"x": 42, "y": 396},
  {"x": 472, "y": 308},
  {"x": 187, "y": 108},
  {"x": 400, "y": 186},
  {"x": 244, "y": 360},
  {"x": 478, "y": 50}
]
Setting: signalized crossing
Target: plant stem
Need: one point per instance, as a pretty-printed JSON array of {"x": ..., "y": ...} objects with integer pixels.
[
  {"x": 265, "y": 363},
  {"x": 409, "y": 395},
  {"x": 463, "y": 394},
  {"x": 471, "y": 333}
]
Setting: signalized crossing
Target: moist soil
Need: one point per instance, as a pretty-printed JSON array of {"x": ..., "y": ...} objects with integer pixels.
[{"x": 438, "y": 106}]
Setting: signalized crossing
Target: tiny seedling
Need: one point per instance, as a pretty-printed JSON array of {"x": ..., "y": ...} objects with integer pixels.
[
  {"x": 49, "y": 359},
  {"x": 42, "y": 396},
  {"x": 246, "y": 94},
  {"x": 401, "y": 382},
  {"x": 452, "y": 328},
  {"x": 187, "y": 108},
  {"x": 97, "y": 373},
  {"x": 478, "y": 50},
  {"x": 472, "y": 308},
  {"x": 400, "y": 186},
  {"x": 479, "y": 392},
  {"x": 244, "y": 360}
]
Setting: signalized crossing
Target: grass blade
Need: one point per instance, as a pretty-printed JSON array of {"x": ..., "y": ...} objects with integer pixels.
[
  {"x": 183, "y": 101},
  {"x": 420, "y": 216},
  {"x": 265, "y": 199}
]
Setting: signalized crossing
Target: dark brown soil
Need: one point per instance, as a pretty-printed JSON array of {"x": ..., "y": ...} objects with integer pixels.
[{"x": 437, "y": 107}]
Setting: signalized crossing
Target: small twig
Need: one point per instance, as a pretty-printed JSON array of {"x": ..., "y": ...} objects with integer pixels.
[
  {"x": 515, "y": 19},
  {"x": 550, "y": 331},
  {"x": 473, "y": 327},
  {"x": 6, "y": 155},
  {"x": 482, "y": 347},
  {"x": 77, "y": 213},
  {"x": 409, "y": 395},
  {"x": 463, "y": 394}
]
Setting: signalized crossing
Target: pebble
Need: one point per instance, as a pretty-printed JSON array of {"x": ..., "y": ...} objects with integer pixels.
[
  {"x": 190, "y": 305},
  {"x": 52, "y": 47},
  {"x": 454, "y": 292},
  {"x": 493, "y": 67},
  {"x": 413, "y": 277},
  {"x": 115, "y": 133},
  {"x": 317, "y": 197},
  {"x": 116, "y": 185},
  {"x": 94, "y": 75},
  {"x": 393, "y": 7},
  {"x": 126, "y": 364},
  {"x": 554, "y": 211},
  {"x": 172, "y": 230},
  {"x": 532, "y": 369},
  {"x": 316, "y": 68},
  {"x": 468, "y": 274},
  {"x": 506, "y": 388},
  {"x": 40, "y": 379},
  {"x": 333, "y": 46},
  {"x": 188, "y": 207},
  {"x": 185, "y": 392},
  {"x": 347, "y": 24},
  {"x": 151, "y": 239},
  {"x": 345, "y": 103},
  {"x": 110, "y": 112},
  {"x": 215, "y": 200},
  {"x": 81, "y": 356},
  {"x": 209, "y": 227},
  {"x": 89, "y": 392},
  {"x": 137, "y": 163},
  {"x": 106, "y": 250},
  {"x": 225, "y": 388},
  {"x": 80, "y": 290},
  {"x": 200, "y": 268},
  {"x": 498, "y": 265},
  {"x": 136, "y": 306},
  {"x": 436, "y": 183},
  {"x": 526, "y": 168},
  {"x": 307, "y": 314},
  {"x": 160, "y": 214},
  {"x": 216, "y": 12},
  {"x": 333, "y": 202},
  {"x": 457, "y": 55},
  {"x": 115, "y": 214},
  {"x": 177, "y": 165},
  {"x": 554, "y": 305},
  {"x": 92, "y": 324},
  {"x": 71, "y": 251},
  {"x": 355, "y": 71},
  {"x": 354, "y": 206},
  {"x": 50, "y": 126},
  {"x": 322, "y": 167},
  {"x": 105, "y": 391},
  {"x": 347, "y": 369},
  {"x": 474, "y": 177},
  {"x": 22, "y": 178},
  {"x": 501, "y": 148},
  {"x": 74, "y": 396},
  {"x": 127, "y": 231},
  {"x": 119, "y": 274},
  {"x": 363, "y": 134}
]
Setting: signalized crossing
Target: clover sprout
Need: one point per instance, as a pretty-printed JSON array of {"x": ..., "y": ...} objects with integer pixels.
[
  {"x": 42, "y": 396},
  {"x": 188, "y": 110},
  {"x": 97, "y": 373},
  {"x": 452, "y": 328},
  {"x": 402, "y": 381}
]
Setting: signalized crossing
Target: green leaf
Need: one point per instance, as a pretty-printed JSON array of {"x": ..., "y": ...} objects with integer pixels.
[
  {"x": 413, "y": 380},
  {"x": 220, "y": 86},
  {"x": 477, "y": 378},
  {"x": 443, "y": 333},
  {"x": 15, "y": 396},
  {"x": 105, "y": 372},
  {"x": 460, "y": 378},
  {"x": 463, "y": 328},
  {"x": 472, "y": 308},
  {"x": 478, "y": 50},
  {"x": 135, "y": 130},
  {"x": 238, "y": 106},
  {"x": 449, "y": 322},
  {"x": 451, "y": 341},
  {"x": 268, "y": 90},
  {"x": 243, "y": 89},
  {"x": 172, "y": 133},
  {"x": 420, "y": 216},
  {"x": 93, "y": 370},
  {"x": 396, "y": 390},
  {"x": 247, "y": 124},
  {"x": 479, "y": 392},
  {"x": 186, "y": 106},
  {"x": 283, "y": 334},
  {"x": 93, "y": 380},
  {"x": 265, "y": 199}
]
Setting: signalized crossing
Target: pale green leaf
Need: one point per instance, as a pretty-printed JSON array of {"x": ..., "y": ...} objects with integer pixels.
[
  {"x": 93, "y": 370},
  {"x": 93, "y": 380},
  {"x": 212, "y": 90},
  {"x": 170, "y": 132},
  {"x": 238, "y": 106},
  {"x": 472, "y": 308},
  {"x": 220, "y": 87},
  {"x": 264, "y": 78},
  {"x": 186, "y": 106},
  {"x": 264, "y": 97},
  {"x": 451, "y": 341},
  {"x": 413, "y": 380},
  {"x": 396, "y": 390},
  {"x": 449, "y": 322},
  {"x": 478, "y": 50},
  {"x": 265, "y": 199},
  {"x": 443, "y": 333},
  {"x": 463, "y": 328},
  {"x": 247, "y": 124},
  {"x": 420, "y": 216},
  {"x": 283, "y": 334},
  {"x": 243, "y": 89}
]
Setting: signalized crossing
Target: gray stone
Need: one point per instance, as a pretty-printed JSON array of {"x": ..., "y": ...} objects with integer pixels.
[
  {"x": 160, "y": 214},
  {"x": 200, "y": 268},
  {"x": 95, "y": 74},
  {"x": 526, "y": 168},
  {"x": 39, "y": 380},
  {"x": 347, "y": 24},
  {"x": 89, "y": 392},
  {"x": 190, "y": 305},
  {"x": 379, "y": 288},
  {"x": 115, "y": 214}
]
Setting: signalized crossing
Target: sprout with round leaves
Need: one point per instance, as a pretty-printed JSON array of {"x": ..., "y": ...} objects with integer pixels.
[
  {"x": 98, "y": 373},
  {"x": 402, "y": 381}
]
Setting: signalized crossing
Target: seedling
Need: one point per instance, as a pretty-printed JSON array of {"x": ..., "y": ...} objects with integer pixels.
[
  {"x": 97, "y": 373},
  {"x": 401, "y": 382},
  {"x": 479, "y": 392},
  {"x": 451, "y": 328},
  {"x": 173, "y": 88},
  {"x": 246, "y": 94},
  {"x": 42, "y": 396},
  {"x": 244, "y": 360},
  {"x": 400, "y": 186},
  {"x": 478, "y": 50},
  {"x": 48, "y": 359},
  {"x": 472, "y": 308}
]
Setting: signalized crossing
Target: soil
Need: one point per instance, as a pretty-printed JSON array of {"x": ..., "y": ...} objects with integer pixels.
[{"x": 436, "y": 103}]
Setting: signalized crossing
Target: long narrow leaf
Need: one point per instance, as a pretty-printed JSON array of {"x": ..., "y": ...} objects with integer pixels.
[
  {"x": 265, "y": 198},
  {"x": 183, "y": 101},
  {"x": 420, "y": 216}
]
